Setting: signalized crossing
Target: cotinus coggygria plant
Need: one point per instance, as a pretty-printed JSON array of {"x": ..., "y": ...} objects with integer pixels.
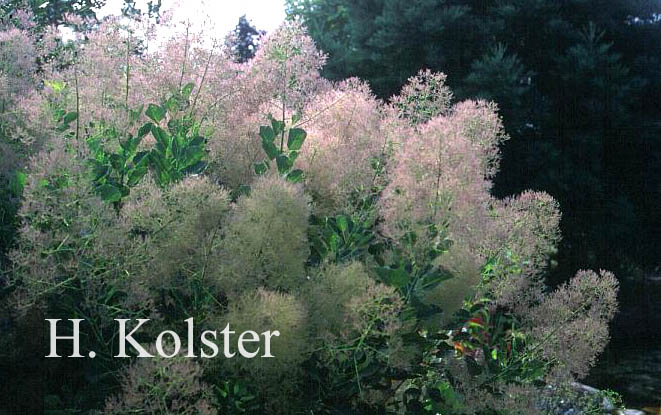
[{"x": 262, "y": 196}]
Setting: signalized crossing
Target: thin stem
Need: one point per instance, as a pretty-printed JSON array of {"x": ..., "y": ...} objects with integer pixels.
[
  {"x": 318, "y": 113},
  {"x": 75, "y": 75},
  {"x": 128, "y": 68},
  {"x": 183, "y": 66},
  {"x": 284, "y": 99},
  {"x": 204, "y": 77},
  {"x": 438, "y": 186}
]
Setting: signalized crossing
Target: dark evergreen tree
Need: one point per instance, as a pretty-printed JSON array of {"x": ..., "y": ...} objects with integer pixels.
[
  {"x": 52, "y": 12},
  {"x": 245, "y": 40},
  {"x": 501, "y": 77},
  {"x": 328, "y": 21},
  {"x": 153, "y": 9}
]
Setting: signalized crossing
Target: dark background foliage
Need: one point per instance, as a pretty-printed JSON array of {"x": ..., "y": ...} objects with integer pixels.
[
  {"x": 577, "y": 83},
  {"x": 53, "y": 12},
  {"x": 579, "y": 89},
  {"x": 245, "y": 40}
]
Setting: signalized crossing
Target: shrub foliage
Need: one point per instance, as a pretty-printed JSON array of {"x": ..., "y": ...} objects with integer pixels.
[{"x": 177, "y": 183}]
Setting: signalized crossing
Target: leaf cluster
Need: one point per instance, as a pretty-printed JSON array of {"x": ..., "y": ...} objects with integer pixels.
[
  {"x": 178, "y": 151},
  {"x": 284, "y": 157}
]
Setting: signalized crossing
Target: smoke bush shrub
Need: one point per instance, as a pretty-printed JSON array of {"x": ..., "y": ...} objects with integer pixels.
[
  {"x": 280, "y": 80},
  {"x": 69, "y": 236},
  {"x": 424, "y": 97},
  {"x": 437, "y": 176},
  {"x": 522, "y": 237},
  {"x": 18, "y": 54},
  {"x": 287, "y": 66},
  {"x": 346, "y": 139},
  {"x": 282, "y": 375},
  {"x": 162, "y": 386},
  {"x": 580, "y": 309},
  {"x": 399, "y": 284},
  {"x": 180, "y": 229},
  {"x": 19, "y": 50},
  {"x": 266, "y": 240},
  {"x": 331, "y": 291}
]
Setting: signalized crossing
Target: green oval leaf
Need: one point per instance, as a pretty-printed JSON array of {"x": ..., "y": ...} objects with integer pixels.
[
  {"x": 116, "y": 161},
  {"x": 270, "y": 149},
  {"x": 278, "y": 126},
  {"x": 141, "y": 159},
  {"x": 284, "y": 163},
  {"x": 187, "y": 89},
  {"x": 397, "y": 277},
  {"x": 144, "y": 130},
  {"x": 71, "y": 116},
  {"x": 295, "y": 176},
  {"x": 342, "y": 223},
  {"x": 192, "y": 155},
  {"x": 197, "y": 141},
  {"x": 136, "y": 175},
  {"x": 261, "y": 168},
  {"x": 109, "y": 193},
  {"x": 161, "y": 136},
  {"x": 98, "y": 169},
  {"x": 155, "y": 112},
  {"x": 266, "y": 133},
  {"x": 296, "y": 138}
]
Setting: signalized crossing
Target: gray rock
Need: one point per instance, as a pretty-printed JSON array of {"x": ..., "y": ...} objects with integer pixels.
[
  {"x": 585, "y": 388},
  {"x": 608, "y": 405},
  {"x": 576, "y": 400},
  {"x": 629, "y": 412}
]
